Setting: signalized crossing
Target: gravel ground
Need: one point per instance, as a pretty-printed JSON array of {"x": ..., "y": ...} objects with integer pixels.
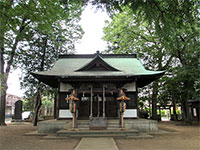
[
  {"x": 12, "y": 138},
  {"x": 180, "y": 138}
]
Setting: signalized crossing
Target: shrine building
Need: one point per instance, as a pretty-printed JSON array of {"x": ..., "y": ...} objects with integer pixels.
[{"x": 97, "y": 80}]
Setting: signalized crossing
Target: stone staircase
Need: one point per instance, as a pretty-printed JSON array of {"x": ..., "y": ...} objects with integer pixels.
[
  {"x": 112, "y": 130},
  {"x": 112, "y": 124},
  {"x": 83, "y": 124}
]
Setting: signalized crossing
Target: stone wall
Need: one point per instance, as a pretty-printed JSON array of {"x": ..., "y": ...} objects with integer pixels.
[{"x": 142, "y": 125}]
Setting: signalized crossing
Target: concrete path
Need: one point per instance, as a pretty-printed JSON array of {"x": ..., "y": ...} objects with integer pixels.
[{"x": 97, "y": 144}]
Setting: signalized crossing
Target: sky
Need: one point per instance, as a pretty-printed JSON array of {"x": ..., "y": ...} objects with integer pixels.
[{"x": 92, "y": 22}]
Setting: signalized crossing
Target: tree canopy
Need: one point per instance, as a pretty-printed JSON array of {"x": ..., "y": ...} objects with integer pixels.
[
  {"x": 166, "y": 35},
  {"x": 28, "y": 29}
]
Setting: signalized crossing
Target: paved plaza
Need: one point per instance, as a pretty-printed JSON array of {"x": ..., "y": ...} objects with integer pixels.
[{"x": 97, "y": 144}]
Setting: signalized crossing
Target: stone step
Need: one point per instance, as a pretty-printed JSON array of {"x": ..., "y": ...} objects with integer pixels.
[
  {"x": 113, "y": 124},
  {"x": 110, "y": 124},
  {"x": 116, "y": 120},
  {"x": 83, "y": 127},
  {"x": 112, "y": 128},
  {"x": 99, "y": 133},
  {"x": 83, "y": 122}
]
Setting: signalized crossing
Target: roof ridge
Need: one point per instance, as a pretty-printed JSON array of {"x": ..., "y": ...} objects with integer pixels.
[{"x": 102, "y": 55}]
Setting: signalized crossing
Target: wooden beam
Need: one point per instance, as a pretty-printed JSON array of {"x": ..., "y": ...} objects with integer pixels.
[
  {"x": 104, "y": 99},
  {"x": 91, "y": 102}
]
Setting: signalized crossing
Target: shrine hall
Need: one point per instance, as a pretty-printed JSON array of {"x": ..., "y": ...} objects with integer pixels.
[{"x": 97, "y": 80}]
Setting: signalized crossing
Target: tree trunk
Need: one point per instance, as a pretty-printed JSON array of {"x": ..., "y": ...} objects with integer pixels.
[
  {"x": 37, "y": 107},
  {"x": 4, "y": 87},
  {"x": 38, "y": 99},
  {"x": 2, "y": 102},
  {"x": 174, "y": 111},
  {"x": 2, "y": 109},
  {"x": 2, "y": 97},
  {"x": 4, "y": 77},
  {"x": 55, "y": 107},
  {"x": 154, "y": 100},
  {"x": 4, "y": 74},
  {"x": 186, "y": 113}
]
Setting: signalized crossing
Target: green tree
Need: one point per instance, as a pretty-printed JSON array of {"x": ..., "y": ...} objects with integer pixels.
[
  {"x": 19, "y": 23},
  {"x": 43, "y": 50},
  {"x": 129, "y": 34},
  {"x": 160, "y": 30}
]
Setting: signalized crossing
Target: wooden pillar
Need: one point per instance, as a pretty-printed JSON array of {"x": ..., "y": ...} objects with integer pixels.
[
  {"x": 73, "y": 116},
  {"x": 98, "y": 106},
  {"x": 104, "y": 98},
  {"x": 122, "y": 120},
  {"x": 55, "y": 106},
  {"x": 91, "y": 102}
]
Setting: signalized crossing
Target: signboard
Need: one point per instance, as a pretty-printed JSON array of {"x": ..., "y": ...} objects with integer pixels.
[
  {"x": 65, "y": 87},
  {"x": 65, "y": 113},
  {"x": 131, "y": 87},
  {"x": 130, "y": 113}
]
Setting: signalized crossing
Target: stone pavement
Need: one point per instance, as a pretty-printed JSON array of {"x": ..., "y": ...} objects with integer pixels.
[{"x": 97, "y": 144}]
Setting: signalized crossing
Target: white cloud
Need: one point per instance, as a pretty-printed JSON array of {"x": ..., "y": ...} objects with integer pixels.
[{"x": 92, "y": 22}]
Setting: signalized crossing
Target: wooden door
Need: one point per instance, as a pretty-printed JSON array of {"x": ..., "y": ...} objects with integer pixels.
[
  {"x": 111, "y": 107},
  {"x": 83, "y": 108}
]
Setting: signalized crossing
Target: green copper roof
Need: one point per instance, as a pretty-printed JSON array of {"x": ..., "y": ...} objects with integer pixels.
[
  {"x": 127, "y": 66},
  {"x": 66, "y": 67}
]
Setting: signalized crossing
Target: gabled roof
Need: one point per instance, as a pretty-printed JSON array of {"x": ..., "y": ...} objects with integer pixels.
[
  {"x": 97, "y": 64},
  {"x": 112, "y": 66}
]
